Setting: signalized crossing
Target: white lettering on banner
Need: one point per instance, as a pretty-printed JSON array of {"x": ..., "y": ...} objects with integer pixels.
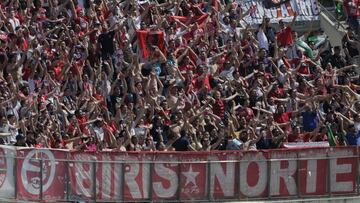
[
  {"x": 314, "y": 7},
  {"x": 261, "y": 11},
  {"x": 7, "y": 187},
  {"x": 83, "y": 175},
  {"x": 168, "y": 174},
  {"x": 259, "y": 187},
  {"x": 190, "y": 176},
  {"x": 311, "y": 176},
  {"x": 312, "y": 169},
  {"x": 111, "y": 175},
  {"x": 284, "y": 10},
  {"x": 309, "y": 7},
  {"x": 274, "y": 13},
  {"x": 3, "y": 167},
  {"x": 118, "y": 183},
  {"x": 132, "y": 171},
  {"x": 335, "y": 169},
  {"x": 146, "y": 179},
  {"x": 106, "y": 178},
  {"x": 287, "y": 174},
  {"x": 302, "y": 9},
  {"x": 32, "y": 183},
  {"x": 308, "y": 11},
  {"x": 225, "y": 178},
  {"x": 293, "y": 6},
  {"x": 310, "y": 172}
]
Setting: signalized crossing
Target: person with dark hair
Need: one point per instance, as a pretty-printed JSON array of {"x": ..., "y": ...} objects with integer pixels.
[
  {"x": 353, "y": 14},
  {"x": 336, "y": 59},
  {"x": 182, "y": 144}
]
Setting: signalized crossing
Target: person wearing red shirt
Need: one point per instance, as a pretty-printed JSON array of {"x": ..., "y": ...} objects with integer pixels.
[
  {"x": 295, "y": 135},
  {"x": 353, "y": 13},
  {"x": 218, "y": 105},
  {"x": 284, "y": 118},
  {"x": 187, "y": 65},
  {"x": 201, "y": 79},
  {"x": 277, "y": 92},
  {"x": 284, "y": 36}
]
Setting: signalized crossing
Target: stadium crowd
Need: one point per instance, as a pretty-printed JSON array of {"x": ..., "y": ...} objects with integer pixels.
[{"x": 180, "y": 75}]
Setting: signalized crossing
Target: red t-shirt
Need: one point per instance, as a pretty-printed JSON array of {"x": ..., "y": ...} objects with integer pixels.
[
  {"x": 304, "y": 69},
  {"x": 198, "y": 84},
  {"x": 82, "y": 124},
  {"x": 283, "y": 117},
  {"x": 246, "y": 112},
  {"x": 100, "y": 98},
  {"x": 187, "y": 67},
  {"x": 286, "y": 62},
  {"x": 71, "y": 129},
  {"x": 26, "y": 72},
  {"x": 279, "y": 93},
  {"x": 219, "y": 108},
  {"x": 285, "y": 37},
  {"x": 294, "y": 138},
  {"x": 352, "y": 7}
]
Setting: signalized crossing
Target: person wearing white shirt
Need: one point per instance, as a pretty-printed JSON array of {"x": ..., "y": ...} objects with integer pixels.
[
  {"x": 13, "y": 21},
  {"x": 261, "y": 37}
]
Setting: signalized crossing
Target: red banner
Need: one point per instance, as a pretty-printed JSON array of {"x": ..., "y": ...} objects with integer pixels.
[
  {"x": 200, "y": 20},
  {"x": 193, "y": 173},
  {"x": 45, "y": 174},
  {"x": 147, "y": 39},
  {"x": 41, "y": 170}
]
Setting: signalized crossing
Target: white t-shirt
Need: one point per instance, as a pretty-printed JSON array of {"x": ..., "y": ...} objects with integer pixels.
[
  {"x": 263, "y": 41},
  {"x": 99, "y": 133},
  {"x": 227, "y": 74},
  {"x": 357, "y": 126},
  {"x": 7, "y": 129},
  {"x": 14, "y": 23},
  {"x": 272, "y": 108}
]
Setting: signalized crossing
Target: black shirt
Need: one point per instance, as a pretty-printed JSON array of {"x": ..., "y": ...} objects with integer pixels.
[
  {"x": 107, "y": 42},
  {"x": 156, "y": 130},
  {"x": 337, "y": 61},
  {"x": 181, "y": 144},
  {"x": 263, "y": 143},
  {"x": 352, "y": 49}
]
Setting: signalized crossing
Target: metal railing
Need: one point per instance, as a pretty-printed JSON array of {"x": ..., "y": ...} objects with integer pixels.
[{"x": 333, "y": 18}]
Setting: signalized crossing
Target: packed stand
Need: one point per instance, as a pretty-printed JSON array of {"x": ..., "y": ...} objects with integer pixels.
[{"x": 169, "y": 75}]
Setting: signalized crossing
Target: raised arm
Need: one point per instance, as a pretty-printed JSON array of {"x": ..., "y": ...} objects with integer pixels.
[
  {"x": 231, "y": 97},
  {"x": 293, "y": 20},
  {"x": 263, "y": 110}
]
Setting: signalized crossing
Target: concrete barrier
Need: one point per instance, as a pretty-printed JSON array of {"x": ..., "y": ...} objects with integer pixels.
[{"x": 335, "y": 34}]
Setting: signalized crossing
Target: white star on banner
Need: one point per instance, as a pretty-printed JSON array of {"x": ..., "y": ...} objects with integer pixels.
[{"x": 190, "y": 176}]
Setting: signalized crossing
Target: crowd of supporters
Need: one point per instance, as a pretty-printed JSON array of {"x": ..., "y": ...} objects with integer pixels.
[{"x": 180, "y": 75}]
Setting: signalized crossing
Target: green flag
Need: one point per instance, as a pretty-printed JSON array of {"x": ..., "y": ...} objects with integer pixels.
[
  {"x": 308, "y": 51},
  {"x": 331, "y": 138}
]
